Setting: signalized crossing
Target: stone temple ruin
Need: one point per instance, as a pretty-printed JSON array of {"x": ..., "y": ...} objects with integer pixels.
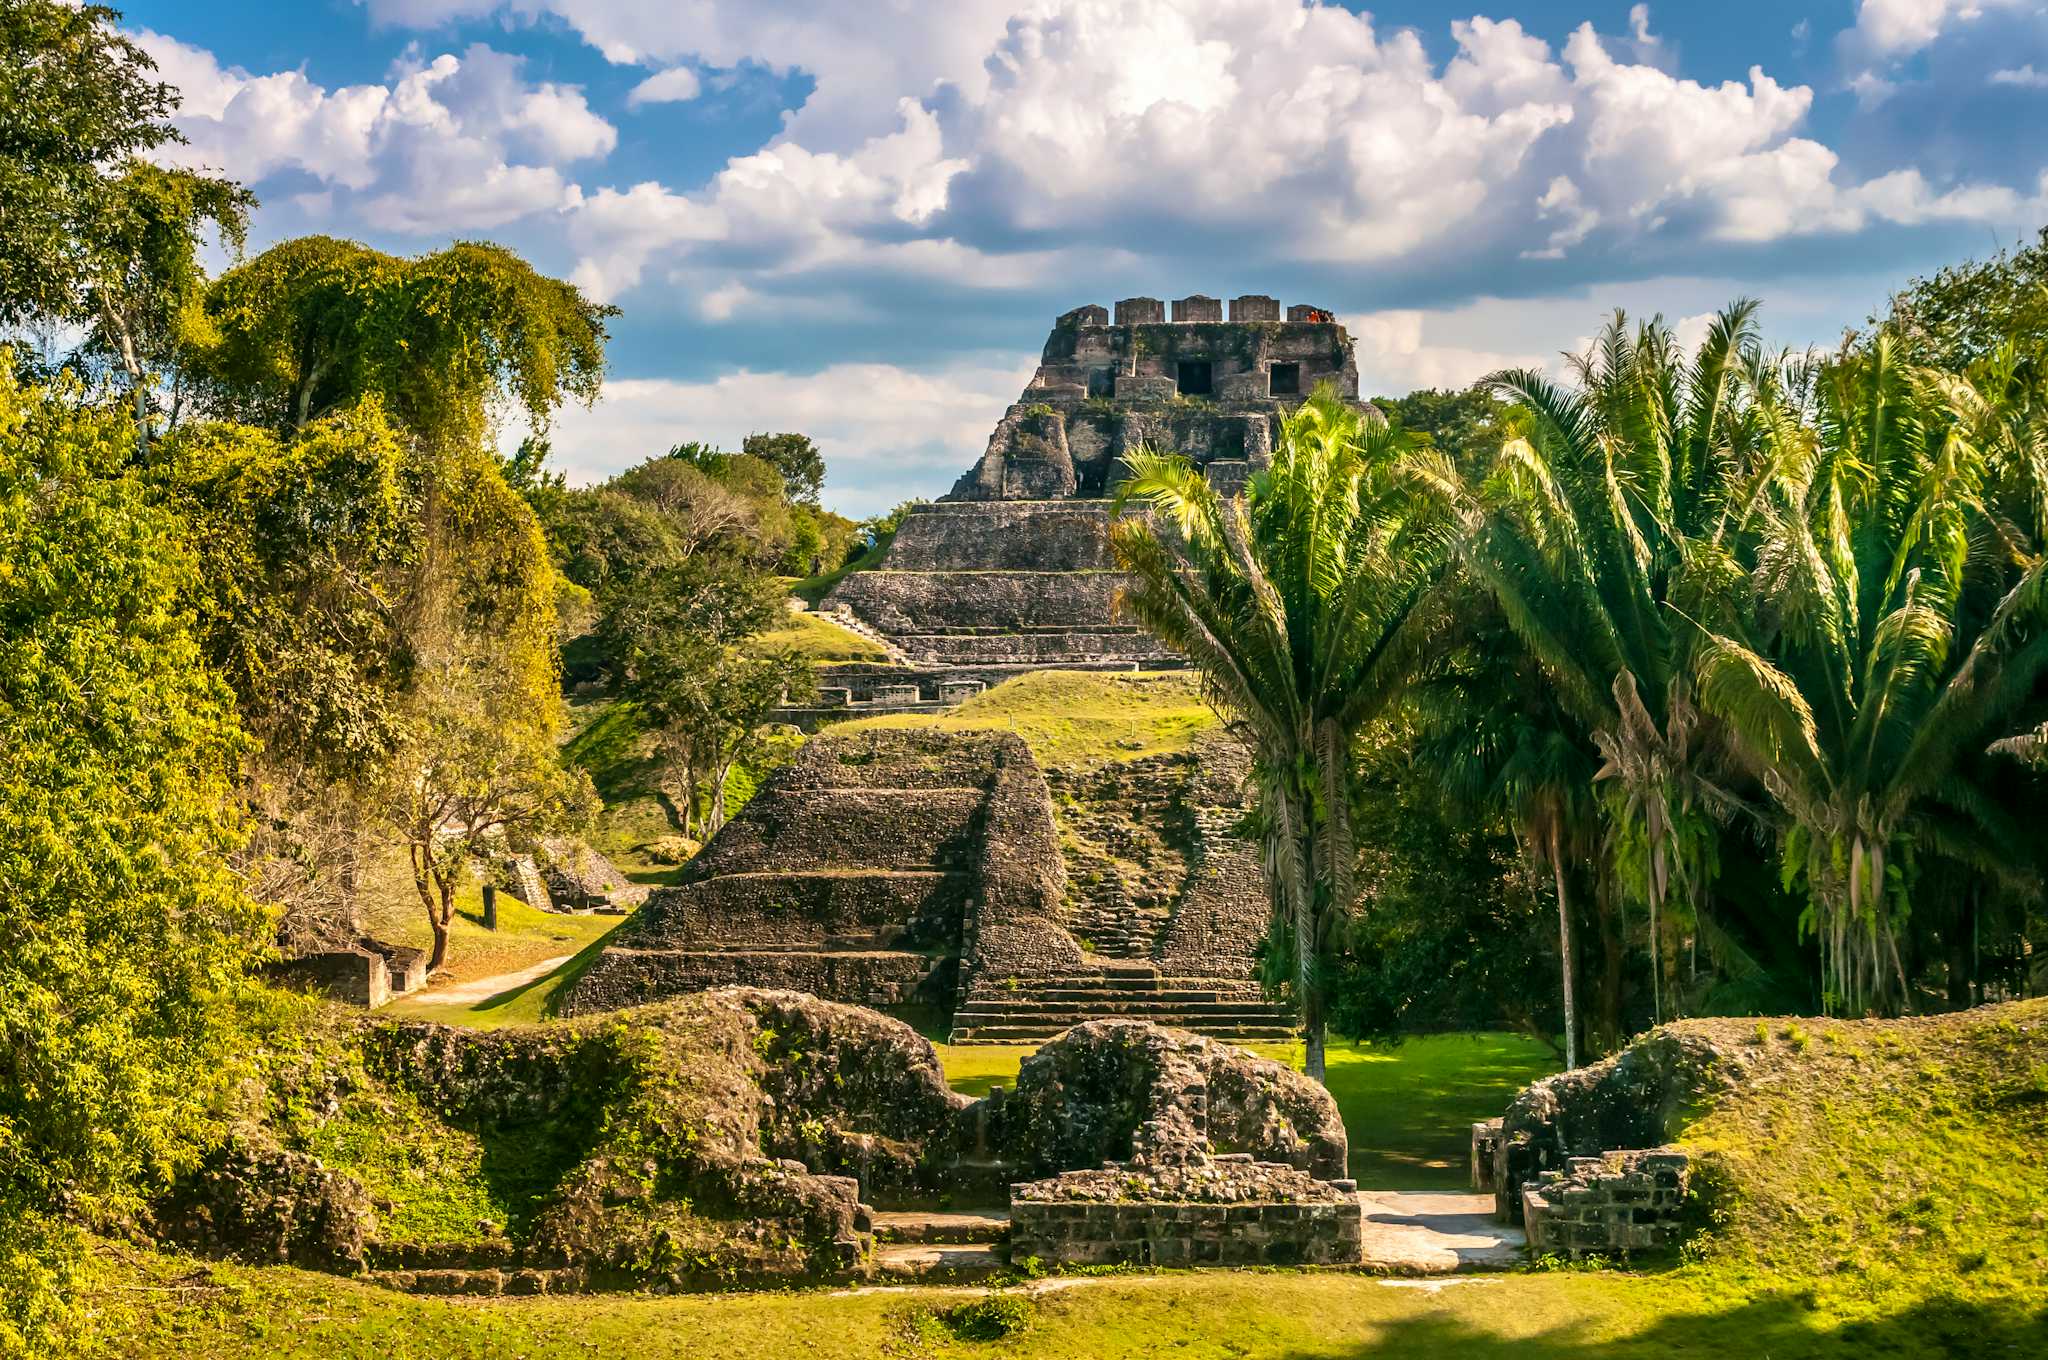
[
  {"x": 923, "y": 873},
  {"x": 1012, "y": 571},
  {"x": 930, "y": 875}
]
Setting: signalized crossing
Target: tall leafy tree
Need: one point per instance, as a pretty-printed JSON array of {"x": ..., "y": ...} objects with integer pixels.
[
  {"x": 1303, "y": 604},
  {"x": 1870, "y": 666},
  {"x": 1504, "y": 752},
  {"x": 124, "y": 935},
  {"x": 316, "y": 324},
  {"x": 700, "y": 691},
  {"x": 796, "y": 457},
  {"x": 80, "y": 99}
]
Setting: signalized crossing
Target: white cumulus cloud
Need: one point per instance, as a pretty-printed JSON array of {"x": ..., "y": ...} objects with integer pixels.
[{"x": 449, "y": 144}]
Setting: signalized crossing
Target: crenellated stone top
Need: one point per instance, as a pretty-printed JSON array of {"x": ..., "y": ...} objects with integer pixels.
[
  {"x": 1210, "y": 388},
  {"x": 1197, "y": 308}
]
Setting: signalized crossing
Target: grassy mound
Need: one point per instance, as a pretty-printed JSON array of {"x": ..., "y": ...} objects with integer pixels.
[
  {"x": 1866, "y": 1159},
  {"x": 1075, "y": 719},
  {"x": 816, "y": 637},
  {"x": 648, "y": 1146}
]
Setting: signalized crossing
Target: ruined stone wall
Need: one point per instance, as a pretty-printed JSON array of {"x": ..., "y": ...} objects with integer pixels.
[
  {"x": 850, "y": 829},
  {"x": 1016, "y": 928},
  {"x": 883, "y": 980},
  {"x": 1236, "y": 1213},
  {"x": 912, "y": 602},
  {"x": 1632, "y": 1100},
  {"x": 1023, "y": 536},
  {"x": 1618, "y": 1204},
  {"x": 1113, "y": 1090},
  {"x": 911, "y": 909}
]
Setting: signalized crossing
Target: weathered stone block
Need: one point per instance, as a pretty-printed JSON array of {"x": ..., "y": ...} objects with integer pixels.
[
  {"x": 1197, "y": 307},
  {"x": 1145, "y": 387},
  {"x": 1254, "y": 307},
  {"x": 1249, "y": 386},
  {"x": 1140, "y": 311}
]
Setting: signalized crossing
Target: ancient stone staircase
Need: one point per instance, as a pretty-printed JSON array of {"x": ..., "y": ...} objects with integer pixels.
[
  {"x": 1031, "y": 1010},
  {"x": 931, "y": 1247},
  {"x": 1104, "y": 915}
]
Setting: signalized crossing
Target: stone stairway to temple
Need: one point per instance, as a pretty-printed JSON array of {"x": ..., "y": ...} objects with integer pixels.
[
  {"x": 1104, "y": 915},
  {"x": 1034, "y": 1009}
]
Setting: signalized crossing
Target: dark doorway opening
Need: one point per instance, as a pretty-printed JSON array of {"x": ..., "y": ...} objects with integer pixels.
[
  {"x": 1100, "y": 384},
  {"x": 1286, "y": 380},
  {"x": 1195, "y": 378}
]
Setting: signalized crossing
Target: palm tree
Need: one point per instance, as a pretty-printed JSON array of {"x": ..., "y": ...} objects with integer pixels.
[
  {"x": 1303, "y": 604},
  {"x": 1620, "y": 500},
  {"x": 1887, "y": 643}
]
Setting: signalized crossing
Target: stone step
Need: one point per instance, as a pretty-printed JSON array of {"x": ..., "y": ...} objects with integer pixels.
[
  {"x": 1102, "y": 985},
  {"x": 1090, "y": 995},
  {"x": 1027, "y": 1033},
  {"x": 934, "y": 1262},
  {"x": 956, "y": 1228},
  {"x": 1080, "y": 1010}
]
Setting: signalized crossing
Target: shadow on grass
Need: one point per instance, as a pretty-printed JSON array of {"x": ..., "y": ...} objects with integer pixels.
[
  {"x": 551, "y": 985},
  {"x": 1777, "y": 1326}
]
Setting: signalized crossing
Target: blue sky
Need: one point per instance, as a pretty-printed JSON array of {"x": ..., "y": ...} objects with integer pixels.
[{"x": 859, "y": 219}]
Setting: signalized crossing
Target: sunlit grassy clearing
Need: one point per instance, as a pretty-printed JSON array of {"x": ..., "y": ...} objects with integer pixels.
[
  {"x": 525, "y": 936},
  {"x": 817, "y": 638},
  {"x": 156, "y": 1307},
  {"x": 1408, "y": 1108}
]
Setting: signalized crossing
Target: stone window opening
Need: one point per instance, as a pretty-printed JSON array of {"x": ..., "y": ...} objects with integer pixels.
[
  {"x": 1286, "y": 380},
  {"x": 1196, "y": 378}
]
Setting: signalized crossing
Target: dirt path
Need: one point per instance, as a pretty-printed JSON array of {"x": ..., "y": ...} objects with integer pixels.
[{"x": 483, "y": 989}]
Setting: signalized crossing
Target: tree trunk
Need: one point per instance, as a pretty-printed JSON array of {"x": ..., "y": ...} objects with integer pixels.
[
  {"x": 1564, "y": 952},
  {"x": 422, "y": 855},
  {"x": 1313, "y": 1034},
  {"x": 442, "y": 919},
  {"x": 1613, "y": 958},
  {"x": 714, "y": 818}
]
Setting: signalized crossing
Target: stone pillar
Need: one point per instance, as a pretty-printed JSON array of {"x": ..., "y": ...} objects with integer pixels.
[
  {"x": 490, "y": 906},
  {"x": 1140, "y": 311}
]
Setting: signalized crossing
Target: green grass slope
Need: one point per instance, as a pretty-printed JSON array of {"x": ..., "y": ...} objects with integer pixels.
[
  {"x": 1865, "y": 1160},
  {"x": 1073, "y": 719},
  {"x": 816, "y": 637}
]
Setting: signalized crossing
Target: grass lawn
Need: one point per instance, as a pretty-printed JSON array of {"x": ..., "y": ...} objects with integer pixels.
[
  {"x": 1408, "y": 1107},
  {"x": 816, "y": 638},
  {"x": 163, "y": 1307},
  {"x": 1075, "y": 719},
  {"x": 525, "y": 936}
]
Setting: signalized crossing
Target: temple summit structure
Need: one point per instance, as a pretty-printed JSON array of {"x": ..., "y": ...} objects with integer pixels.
[{"x": 1012, "y": 571}]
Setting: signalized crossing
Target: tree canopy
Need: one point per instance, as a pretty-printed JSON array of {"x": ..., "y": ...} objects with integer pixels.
[{"x": 316, "y": 324}]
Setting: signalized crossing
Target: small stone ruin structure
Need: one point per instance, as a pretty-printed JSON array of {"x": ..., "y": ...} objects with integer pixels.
[
  {"x": 749, "y": 1135},
  {"x": 363, "y": 972},
  {"x": 1012, "y": 571},
  {"x": 924, "y": 873},
  {"x": 1208, "y": 1157},
  {"x": 1582, "y": 1160}
]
